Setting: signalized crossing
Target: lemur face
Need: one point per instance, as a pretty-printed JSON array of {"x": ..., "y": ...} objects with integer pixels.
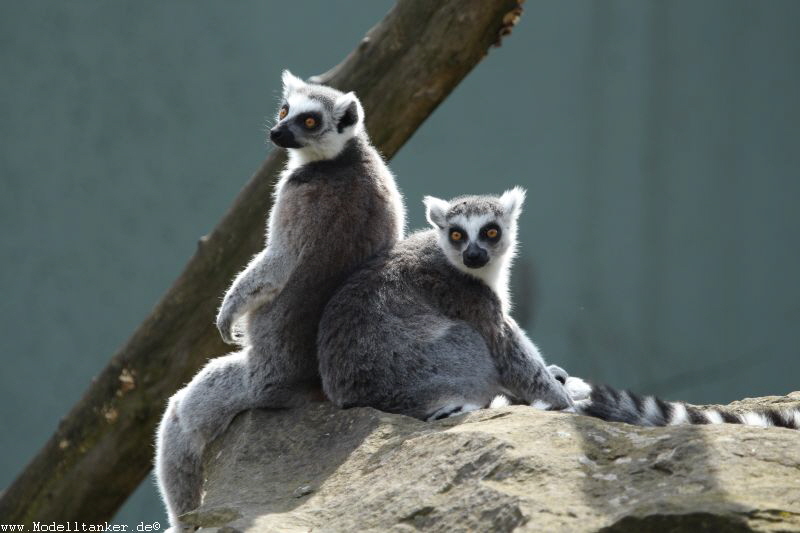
[
  {"x": 476, "y": 238},
  {"x": 314, "y": 119},
  {"x": 477, "y": 232}
]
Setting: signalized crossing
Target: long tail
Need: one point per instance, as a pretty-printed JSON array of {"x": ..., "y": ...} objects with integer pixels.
[{"x": 607, "y": 403}]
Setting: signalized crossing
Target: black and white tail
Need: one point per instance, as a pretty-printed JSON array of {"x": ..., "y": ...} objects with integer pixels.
[{"x": 606, "y": 403}]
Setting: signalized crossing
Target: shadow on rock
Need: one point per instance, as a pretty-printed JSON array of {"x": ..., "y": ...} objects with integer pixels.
[{"x": 693, "y": 478}]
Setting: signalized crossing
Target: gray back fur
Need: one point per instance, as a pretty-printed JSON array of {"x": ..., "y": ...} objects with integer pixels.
[{"x": 331, "y": 215}]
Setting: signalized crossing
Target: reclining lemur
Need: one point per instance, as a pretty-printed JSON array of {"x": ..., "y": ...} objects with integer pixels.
[
  {"x": 336, "y": 205},
  {"x": 423, "y": 330}
]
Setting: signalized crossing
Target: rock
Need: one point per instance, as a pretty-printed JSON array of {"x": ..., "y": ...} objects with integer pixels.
[{"x": 510, "y": 469}]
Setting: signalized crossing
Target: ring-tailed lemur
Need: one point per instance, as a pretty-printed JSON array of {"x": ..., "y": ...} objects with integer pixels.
[
  {"x": 424, "y": 329},
  {"x": 606, "y": 403},
  {"x": 336, "y": 205}
]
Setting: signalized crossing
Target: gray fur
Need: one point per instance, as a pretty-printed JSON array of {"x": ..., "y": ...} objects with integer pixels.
[
  {"x": 330, "y": 215},
  {"x": 415, "y": 333}
]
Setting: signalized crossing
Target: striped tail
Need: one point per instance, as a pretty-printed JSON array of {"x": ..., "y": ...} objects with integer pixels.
[{"x": 606, "y": 403}]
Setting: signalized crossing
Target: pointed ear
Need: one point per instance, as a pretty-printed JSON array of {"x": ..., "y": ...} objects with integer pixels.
[
  {"x": 436, "y": 211},
  {"x": 347, "y": 112},
  {"x": 512, "y": 201},
  {"x": 290, "y": 82}
]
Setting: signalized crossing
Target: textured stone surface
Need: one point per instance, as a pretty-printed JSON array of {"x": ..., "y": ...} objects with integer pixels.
[{"x": 510, "y": 469}]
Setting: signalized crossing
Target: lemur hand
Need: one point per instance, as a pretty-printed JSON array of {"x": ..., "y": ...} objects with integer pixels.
[
  {"x": 225, "y": 320},
  {"x": 234, "y": 306},
  {"x": 555, "y": 397},
  {"x": 559, "y": 373}
]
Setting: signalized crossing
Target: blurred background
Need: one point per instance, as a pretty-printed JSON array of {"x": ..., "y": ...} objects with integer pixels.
[{"x": 658, "y": 141}]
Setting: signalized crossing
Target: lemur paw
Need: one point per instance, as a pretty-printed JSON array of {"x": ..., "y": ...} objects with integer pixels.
[
  {"x": 559, "y": 373},
  {"x": 225, "y": 327},
  {"x": 556, "y": 398}
]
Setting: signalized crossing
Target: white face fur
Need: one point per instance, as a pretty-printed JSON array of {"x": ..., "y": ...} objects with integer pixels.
[
  {"x": 478, "y": 235},
  {"x": 315, "y": 122}
]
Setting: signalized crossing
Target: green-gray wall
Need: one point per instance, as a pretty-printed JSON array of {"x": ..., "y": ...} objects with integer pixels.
[{"x": 658, "y": 142}]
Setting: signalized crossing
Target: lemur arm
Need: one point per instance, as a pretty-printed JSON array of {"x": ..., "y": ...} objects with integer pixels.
[
  {"x": 256, "y": 285},
  {"x": 523, "y": 371}
]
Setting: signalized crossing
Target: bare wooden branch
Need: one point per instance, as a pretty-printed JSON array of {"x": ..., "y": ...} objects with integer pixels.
[{"x": 404, "y": 67}]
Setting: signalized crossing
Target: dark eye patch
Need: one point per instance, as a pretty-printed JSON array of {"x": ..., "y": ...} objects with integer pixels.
[
  {"x": 491, "y": 232},
  {"x": 456, "y": 230},
  {"x": 302, "y": 117}
]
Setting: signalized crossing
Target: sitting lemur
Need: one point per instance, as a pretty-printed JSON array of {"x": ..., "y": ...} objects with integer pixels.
[
  {"x": 335, "y": 206},
  {"x": 424, "y": 329}
]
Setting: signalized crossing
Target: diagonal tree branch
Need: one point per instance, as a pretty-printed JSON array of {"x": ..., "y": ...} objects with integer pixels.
[{"x": 402, "y": 70}]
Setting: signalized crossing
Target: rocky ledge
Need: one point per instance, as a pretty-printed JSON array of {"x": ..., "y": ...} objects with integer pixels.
[{"x": 510, "y": 469}]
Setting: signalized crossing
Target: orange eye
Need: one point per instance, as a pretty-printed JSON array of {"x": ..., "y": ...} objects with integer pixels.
[
  {"x": 310, "y": 122},
  {"x": 282, "y": 114},
  {"x": 456, "y": 235},
  {"x": 492, "y": 233}
]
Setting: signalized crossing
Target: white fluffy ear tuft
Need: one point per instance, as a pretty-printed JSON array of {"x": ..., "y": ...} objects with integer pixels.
[
  {"x": 512, "y": 201},
  {"x": 348, "y": 112},
  {"x": 290, "y": 82},
  {"x": 436, "y": 211}
]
